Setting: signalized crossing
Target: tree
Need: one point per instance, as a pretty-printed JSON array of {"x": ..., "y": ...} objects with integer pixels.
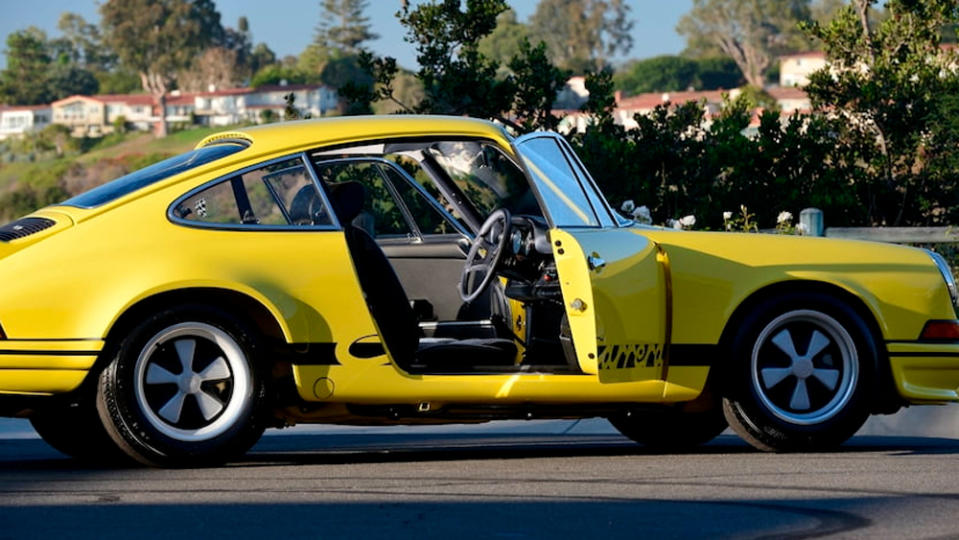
[
  {"x": 718, "y": 73},
  {"x": 536, "y": 81},
  {"x": 581, "y": 34},
  {"x": 501, "y": 45},
  {"x": 83, "y": 43},
  {"x": 343, "y": 25},
  {"x": 752, "y": 33},
  {"x": 66, "y": 80},
  {"x": 657, "y": 74},
  {"x": 159, "y": 38},
  {"x": 24, "y": 82},
  {"x": 887, "y": 82},
  {"x": 261, "y": 57},
  {"x": 216, "y": 67},
  {"x": 457, "y": 79}
]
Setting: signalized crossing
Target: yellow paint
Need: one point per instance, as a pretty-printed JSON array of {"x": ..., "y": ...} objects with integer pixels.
[{"x": 74, "y": 280}]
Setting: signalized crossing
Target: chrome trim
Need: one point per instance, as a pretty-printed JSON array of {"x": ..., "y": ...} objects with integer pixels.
[
  {"x": 431, "y": 325},
  {"x": 322, "y": 189},
  {"x": 176, "y": 220},
  {"x": 411, "y": 181},
  {"x": 564, "y": 151},
  {"x": 594, "y": 186},
  {"x": 947, "y": 276}
]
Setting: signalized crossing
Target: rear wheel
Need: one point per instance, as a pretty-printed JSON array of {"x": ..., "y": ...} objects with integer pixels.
[
  {"x": 804, "y": 365},
  {"x": 183, "y": 389}
]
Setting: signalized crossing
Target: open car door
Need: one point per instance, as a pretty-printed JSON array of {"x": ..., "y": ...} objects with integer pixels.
[{"x": 614, "y": 280}]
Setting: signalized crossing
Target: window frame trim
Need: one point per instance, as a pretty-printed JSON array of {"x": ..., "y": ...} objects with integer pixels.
[
  {"x": 407, "y": 215},
  {"x": 302, "y": 156}
]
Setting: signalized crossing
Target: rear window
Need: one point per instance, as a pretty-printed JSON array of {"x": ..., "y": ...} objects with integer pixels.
[{"x": 152, "y": 174}]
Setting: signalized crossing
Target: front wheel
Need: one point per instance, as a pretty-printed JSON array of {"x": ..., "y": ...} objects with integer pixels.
[
  {"x": 183, "y": 389},
  {"x": 803, "y": 367}
]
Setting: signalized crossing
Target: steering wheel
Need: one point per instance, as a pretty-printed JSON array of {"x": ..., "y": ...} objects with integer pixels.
[{"x": 485, "y": 255}]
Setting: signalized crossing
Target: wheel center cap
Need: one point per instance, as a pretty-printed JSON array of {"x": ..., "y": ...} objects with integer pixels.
[
  {"x": 189, "y": 383},
  {"x": 802, "y": 368}
]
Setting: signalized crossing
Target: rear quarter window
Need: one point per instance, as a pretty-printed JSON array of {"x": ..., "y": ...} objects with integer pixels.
[{"x": 150, "y": 175}]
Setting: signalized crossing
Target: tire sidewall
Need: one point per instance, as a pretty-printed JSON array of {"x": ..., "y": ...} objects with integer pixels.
[
  {"x": 745, "y": 406},
  {"x": 125, "y": 420}
]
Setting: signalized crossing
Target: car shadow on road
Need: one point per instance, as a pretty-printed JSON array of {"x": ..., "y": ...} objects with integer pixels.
[{"x": 337, "y": 449}]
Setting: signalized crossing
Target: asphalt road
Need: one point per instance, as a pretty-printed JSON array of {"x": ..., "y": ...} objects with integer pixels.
[{"x": 506, "y": 480}]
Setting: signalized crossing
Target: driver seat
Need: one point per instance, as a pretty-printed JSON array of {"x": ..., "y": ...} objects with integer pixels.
[{"x": 391, "y": 308}]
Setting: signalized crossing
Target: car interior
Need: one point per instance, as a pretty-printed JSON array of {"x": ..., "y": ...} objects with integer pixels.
[{"x": 452, "y": 252}]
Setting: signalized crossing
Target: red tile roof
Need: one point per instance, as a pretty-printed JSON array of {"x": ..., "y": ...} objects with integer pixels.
[
  {"x": 807, "y": 54},
  {"x": 652, "y": 99},
  {"x": 787, "y": 92},
  {"x": 23, "y": 107}
]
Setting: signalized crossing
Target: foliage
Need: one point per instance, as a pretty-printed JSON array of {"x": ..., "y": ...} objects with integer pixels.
[
  {"x": 673, "y": 73},
  {"x": 343, "y": 26},
  {"x": 536, "y": 82},
  {"x": 502, "y": 43},
  {"x": 676, "y": 164},
  {"x": 24, "y": 80},
  {"x": 159, "y": 38},
  {"x": 752, "y": 33},
  {"x": 582, "y": 34},
  {"x": 457, "y": 79},
  {"x": 657, "y": 74},
  {"x": 891, "y": 85},
  {"x": 276, "y": 74}
]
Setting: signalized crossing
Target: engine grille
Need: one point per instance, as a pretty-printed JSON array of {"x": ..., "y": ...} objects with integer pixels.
[{"x": 24, "y": 227}]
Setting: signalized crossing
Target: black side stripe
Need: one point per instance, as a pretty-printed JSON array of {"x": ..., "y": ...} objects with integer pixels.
[
  {"x": 48, "y": 353},
  {"x": 936, "y": 354},
  {"x": 693, "y": 354},
  {"x": 312, "y": 354}
]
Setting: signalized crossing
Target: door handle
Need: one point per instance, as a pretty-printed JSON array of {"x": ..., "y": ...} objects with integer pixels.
[{"x": 595, "y": 262}]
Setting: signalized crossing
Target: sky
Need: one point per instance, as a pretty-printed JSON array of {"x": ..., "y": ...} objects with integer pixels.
[{"x": 287, "y": 26}]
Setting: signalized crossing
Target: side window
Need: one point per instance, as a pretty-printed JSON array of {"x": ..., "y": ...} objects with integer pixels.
[
  {"x": 215, "y": 204},
  {"x": 427, "y": 218},
  {"x": 277, "y": 194},
  {"x": 381, "y": 216}
]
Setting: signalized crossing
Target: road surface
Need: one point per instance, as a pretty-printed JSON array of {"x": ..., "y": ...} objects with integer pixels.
[{"x": 506, "y": 480}]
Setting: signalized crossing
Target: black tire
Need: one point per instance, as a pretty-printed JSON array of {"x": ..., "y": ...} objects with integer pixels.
[
  {"x": 75, "y": 429},
  {"x": 780, "y": 400},
  {"x": 163, "y": 415},
  {"x": 671, "y": 429}
]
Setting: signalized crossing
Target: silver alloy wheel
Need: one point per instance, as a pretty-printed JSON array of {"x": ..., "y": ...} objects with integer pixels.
[
  {"x": 811, "y": 386},
  {"x": 192, "y": 381}
]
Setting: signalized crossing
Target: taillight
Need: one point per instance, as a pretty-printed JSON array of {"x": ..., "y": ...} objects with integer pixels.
[{"x": 941, "y": 330}]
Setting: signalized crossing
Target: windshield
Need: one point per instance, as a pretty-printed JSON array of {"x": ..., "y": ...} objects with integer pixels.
[
  {"x": 561, "y": 182},
  {"x": 486, "y": 176},
  {"x": 152, "y": 174}
]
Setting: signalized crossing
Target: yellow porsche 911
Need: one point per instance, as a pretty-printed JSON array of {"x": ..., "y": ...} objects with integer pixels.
[{"x": 413, "y": 270}]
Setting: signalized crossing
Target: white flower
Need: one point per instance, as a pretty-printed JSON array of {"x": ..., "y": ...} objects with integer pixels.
[
  {"x": 727, "y": 216},
  {"x": 784, "y": 217},
  {"x": 628, "y": 206},
  {"x": 801, "y": 228},
  {"x": 673, "y": 224},
  {"x": 643, "y": 215},
  {"x": 687, "y": 222}
]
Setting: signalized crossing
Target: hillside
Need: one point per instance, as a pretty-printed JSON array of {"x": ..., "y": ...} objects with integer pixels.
[{"x": 35, "y": 180}]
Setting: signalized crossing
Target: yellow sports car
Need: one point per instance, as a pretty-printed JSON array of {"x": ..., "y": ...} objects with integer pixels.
[{"x": 412, "y": 270}]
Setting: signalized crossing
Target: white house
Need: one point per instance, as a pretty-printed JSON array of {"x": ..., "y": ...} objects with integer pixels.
[
  {"x": 795, "y": 69},
  {"x": 236, "y": 105},
  {"x": 22, "y": 119}
]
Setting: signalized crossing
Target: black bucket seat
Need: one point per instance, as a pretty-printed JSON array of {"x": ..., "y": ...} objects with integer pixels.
[{"x": 391, "y": 308}]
